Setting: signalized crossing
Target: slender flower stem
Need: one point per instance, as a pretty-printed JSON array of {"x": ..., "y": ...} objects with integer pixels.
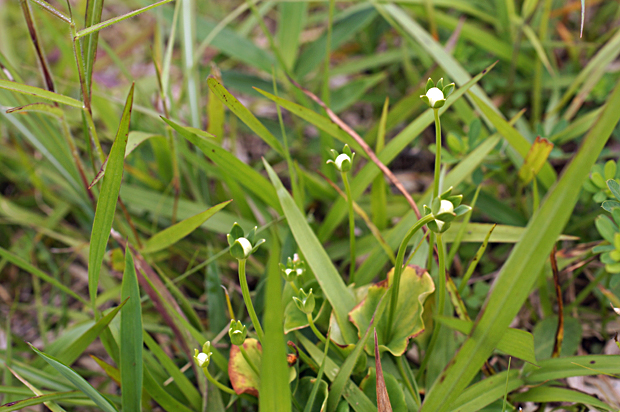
[
  {"x": 245, "y": 291},
  {"x": 314, "y": 329},
  {"x": 441, "y": 301},
  {"x": 218, "y": 384},
  {"x": 398, "y": 268},
  {"x": 347, "y": 188},
  {"x": 248, "y": 360},
  {"x": 437, "y": 153},
  {"x": 411, "y": 384}
]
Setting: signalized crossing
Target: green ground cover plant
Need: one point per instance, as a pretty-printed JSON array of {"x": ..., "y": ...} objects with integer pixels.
[{"x": 408, "y": 205}]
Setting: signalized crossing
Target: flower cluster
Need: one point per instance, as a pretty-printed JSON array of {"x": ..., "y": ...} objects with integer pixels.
[{"x": 293, "y": 268}]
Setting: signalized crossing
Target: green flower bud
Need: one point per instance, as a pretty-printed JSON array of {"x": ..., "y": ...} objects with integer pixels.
[
  {"x": 237, "y": 333},
  {"x": 242, "y": 247},
  {"x": 294, "y": 267},
  {"x": 203, "y": 358},
  {"x": 305, "y": 302},
  {"x": 344, "y": 160},
  {"x": 435, "y": 96}
]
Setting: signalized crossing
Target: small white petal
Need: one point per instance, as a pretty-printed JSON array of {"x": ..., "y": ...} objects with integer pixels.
[
  {"x": 247, "y": 246},
  {"x": 288, "y": 271},
  {"x": 340, "y": 159},
  {"x": 434, "y": 95},
  {"x": 439, "y": 223},
  {"x": 300, "y": 272},
  {"x": 446, "y": 206},
  {"x": 202, "y": 359}
]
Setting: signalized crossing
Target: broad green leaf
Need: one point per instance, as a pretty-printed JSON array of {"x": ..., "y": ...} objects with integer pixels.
[
  {"x": 178, "y": 231},
  {"x": 21, "y": 263},
  {"x": 544, "y": 394},
  {"x": 515, "y": 342},
  {"x": 78, "y": 381},
  {"x": 96, "y": 27},
  {"x": 304, "y": 390},
  {"x": 275, "y": 392},
  {"x": 242, "y": 376},
  {"x": 535, "y": 159},
  {"x": 131, "y": 338},
  {"x": 396, "y": 396},
  {"x": 249, "y": 178},
  {"x": 244, "y": 115},
  {"x": 38, "y": 92},
  {"x": 340, "y": 297},
  {"x": 521, "y": 269},
  {"x": 106, "y": 205},
  {"x": 415, "y": 287},
  {"x": 544, "y": 336}
]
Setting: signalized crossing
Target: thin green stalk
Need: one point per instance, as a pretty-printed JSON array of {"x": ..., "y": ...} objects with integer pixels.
[
  {"x": 347, "y": 188},
  {"x": 409, "y": 379},
  {"x": 217, "y": 383},
  {"x": 441, "y": 302},
  {"x": 437, "y": 153},
  {"x": 398, "y": 268},
  {"x": 245, "y": 291},
  {"x": 248, "y": 360},
  {"x": 314, "y": 329}
]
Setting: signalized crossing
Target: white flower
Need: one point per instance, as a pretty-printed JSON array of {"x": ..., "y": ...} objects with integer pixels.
[
  {"x": 288, "y": 272},
  {"x": 202, "y": 359},
  {"x": 434, "y": 95},
  {"x": 247, "y": 246},
  {"x": 445, "y": 206},
  {"x": 340, "y": 159},
  {"x": 300, "y": 271},
  {"x": 439, "y": 224}
]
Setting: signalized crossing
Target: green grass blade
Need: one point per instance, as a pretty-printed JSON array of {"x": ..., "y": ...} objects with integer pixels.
[
  {"x": 95, "y": 28},
  {"x": 94, "y": 9},
  {"x": 560, "y": 368},
  {"x": 291, "y": 23},
  {"x": 341, "y": 380},
  {"x": 333, "y": 286},
  {"x": 352, "y": 393},
  {"x": 546, "y": 175},
  {"x": 231, "y": 166},
  {"x": 173, "y": 234},
  {"x": 38, "y": 400},
  {"x": 131, "y": 338},
  {"x": 38, "y": 92},
  {"x": 38, "y": 107},
  {"x": 106, "y": 205},
  {"x": 487, "y": 391},
  {"x": 161, "y": 396},
  {"x": 73, "y": 351},
  {"x": 521, "y": 270},
  {"x": 184, "y": 384},
  {"x": 244, "y": 115},
  {"x": 545, "y": 394},
  {"x": 275, "y": 392},
  {"x": 78, "y": 381},
  {"x": 21, "y": 263}
]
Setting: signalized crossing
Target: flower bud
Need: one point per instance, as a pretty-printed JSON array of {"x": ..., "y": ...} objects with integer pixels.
[
  {"x": 434, "y": 95},
  {"x": 344, "y": 160},
  {"x": 305, "y": 302},
  {"x": 446, "y": 206},
  {"x": 203, "y": 358},
  {"x": 237, "y": 333}
]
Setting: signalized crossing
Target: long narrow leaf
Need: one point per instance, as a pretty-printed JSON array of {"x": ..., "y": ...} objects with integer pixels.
[
  {"x": 38, "y": 92},
  {"x": 173, "y": 234},
  {"x": 106, "y": 205},
  {"x": 78, "y": 381},
  {"x": 340, "y": 297},
  {"x": 131, "y": 338}
]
